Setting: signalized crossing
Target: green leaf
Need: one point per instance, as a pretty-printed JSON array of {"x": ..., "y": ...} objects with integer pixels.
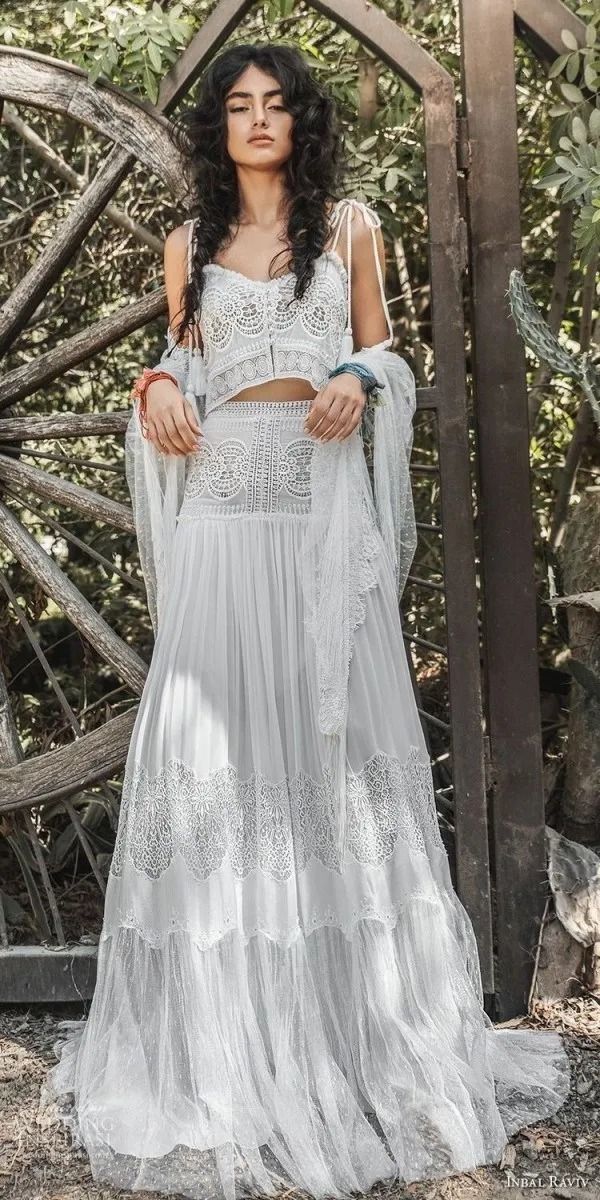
[
  {"x": 595, "y": 123},
  {"x": 161, "y": 37},
  {"x": 150, "y": 83},
  {"x": 573, "y": 190},
  {"x": 558, "y": 66},
  {"x": 368, "y": 142},
  {"x": 572, "y": 70},
  {"x": 155, "y": 56},
  {"x": 572, "y": 93},
  {"x": 391, "y": 180},
  {"x": 569, "y": 39},
  {"x": 590, "y": 76},
  {"x": 551, "y": 181},
  {"x": 579, "y": 130},
  {"x": 567, "y": 164}
]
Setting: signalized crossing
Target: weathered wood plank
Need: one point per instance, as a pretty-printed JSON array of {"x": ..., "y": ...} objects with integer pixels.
[
  {"x": 62, "y": 772},
  {"x": 92, "y": 340},
  {"x": 11, "y": 751},
  {"x": 53, "y": 487},
  {"x": 541, "y": 26},
  {"x": 38, "y": 426}
]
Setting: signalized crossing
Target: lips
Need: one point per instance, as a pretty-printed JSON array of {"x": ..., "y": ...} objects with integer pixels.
[{"x": 263, "y": 137}]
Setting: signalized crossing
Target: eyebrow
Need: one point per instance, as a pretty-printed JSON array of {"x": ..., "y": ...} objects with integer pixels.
[{"x": 246, "y": 95}]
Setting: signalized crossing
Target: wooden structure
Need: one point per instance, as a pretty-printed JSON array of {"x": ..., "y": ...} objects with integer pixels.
[{"x": 494, "y": 722}]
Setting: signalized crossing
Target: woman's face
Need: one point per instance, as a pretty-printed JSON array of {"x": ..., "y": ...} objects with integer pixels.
[{"x": 254, "y": 105}]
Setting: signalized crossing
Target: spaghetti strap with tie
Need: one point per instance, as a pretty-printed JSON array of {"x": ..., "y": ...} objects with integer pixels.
[
  {"x": 344, "y": 209},
  {"x": 195, "y": 375}
]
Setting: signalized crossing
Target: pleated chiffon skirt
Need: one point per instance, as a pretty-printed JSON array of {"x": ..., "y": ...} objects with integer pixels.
[{"x": 266, "y": 1016}]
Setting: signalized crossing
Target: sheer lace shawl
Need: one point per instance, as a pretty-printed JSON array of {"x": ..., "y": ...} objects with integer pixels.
[
  {"x": 342, "y": 542},
  {"x": 156, "y": 484}
]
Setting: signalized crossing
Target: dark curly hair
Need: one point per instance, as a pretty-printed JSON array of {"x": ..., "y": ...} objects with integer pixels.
[{"x": 312, "y": 171}]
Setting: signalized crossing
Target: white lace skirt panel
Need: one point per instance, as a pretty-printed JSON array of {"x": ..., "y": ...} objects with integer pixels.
[
  {"x": 226, "y": 813},
  {"x": 265, "y": 1017}
]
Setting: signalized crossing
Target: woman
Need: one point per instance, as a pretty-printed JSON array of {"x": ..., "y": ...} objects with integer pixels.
[{"x": 288, "y": 990}]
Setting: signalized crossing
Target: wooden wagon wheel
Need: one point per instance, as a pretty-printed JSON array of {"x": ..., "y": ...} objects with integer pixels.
[{"x": 140, "y": 133}]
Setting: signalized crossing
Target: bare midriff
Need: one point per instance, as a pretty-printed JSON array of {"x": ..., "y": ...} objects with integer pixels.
[{"x": 277, "y": 389}]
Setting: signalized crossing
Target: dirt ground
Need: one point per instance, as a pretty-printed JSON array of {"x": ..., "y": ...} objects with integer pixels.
[{"x": 559, "y": 1157}]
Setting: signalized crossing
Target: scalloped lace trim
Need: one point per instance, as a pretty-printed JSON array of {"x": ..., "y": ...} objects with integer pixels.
[
  {"x": 277, "y": 827},
  {"x": 156, "y": 936}
]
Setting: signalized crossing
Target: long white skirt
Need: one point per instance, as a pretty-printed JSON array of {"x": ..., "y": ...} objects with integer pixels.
[{"x": 265, "y": 1016}]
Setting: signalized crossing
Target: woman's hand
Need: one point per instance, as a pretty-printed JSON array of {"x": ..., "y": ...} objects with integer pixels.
[
  {"x": 170, "y": 419},
  {"x": 337, "y": 409}
]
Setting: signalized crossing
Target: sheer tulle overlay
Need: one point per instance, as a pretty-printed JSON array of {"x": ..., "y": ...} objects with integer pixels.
[{"x": 267, "y": 1015}]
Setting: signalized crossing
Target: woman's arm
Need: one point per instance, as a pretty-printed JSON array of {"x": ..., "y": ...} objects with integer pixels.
[
  {"x": 368, "y": 315},
  {"x": 175, "y": 272},
  {"x": 172, "y": 425},
  {"x": 337, "y": 408}
]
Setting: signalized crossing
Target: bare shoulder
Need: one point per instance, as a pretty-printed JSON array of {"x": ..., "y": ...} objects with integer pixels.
[
  {"x": 175, "y": 269},
  {"x": 176, "y": 241},
  {"x": 364, "y": 221},
  {"x": 366, "y": 230}
]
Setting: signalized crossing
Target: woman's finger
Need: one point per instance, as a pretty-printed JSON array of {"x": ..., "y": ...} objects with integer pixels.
[
  {"x": 330, "y": 422},
  {"x": 319, "y": 414},
  {"x": 171, "y": 434},
  {"x": 183, "y": 431},
  {"x": 344, "y": 408},
  {"x": 191, "y": 418}
]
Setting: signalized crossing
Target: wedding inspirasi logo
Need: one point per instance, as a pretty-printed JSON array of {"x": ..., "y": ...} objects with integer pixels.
[{"x": 545, "y": 1181}]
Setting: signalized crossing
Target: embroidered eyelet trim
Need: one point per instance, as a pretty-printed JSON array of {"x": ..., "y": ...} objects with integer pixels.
[
  {"x": 286, "y": 411},
  {"x": 275, "y": 826},
  {"x": 364, "y": 911}
]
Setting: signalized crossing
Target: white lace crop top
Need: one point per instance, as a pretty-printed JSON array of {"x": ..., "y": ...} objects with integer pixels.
[{"x": 254, "y": 330}]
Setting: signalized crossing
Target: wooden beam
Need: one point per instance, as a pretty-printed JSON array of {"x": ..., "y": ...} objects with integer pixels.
[
  {"x": 84, "y": 762},
  {"x": 126, "y": 663}
]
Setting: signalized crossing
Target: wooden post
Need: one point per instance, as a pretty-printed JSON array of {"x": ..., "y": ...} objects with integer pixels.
[{"x": 506, "y": 529}]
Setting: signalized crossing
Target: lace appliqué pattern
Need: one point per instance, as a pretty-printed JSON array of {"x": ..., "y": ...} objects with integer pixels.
[
  {"x": 265, "y": 474},
  {"x": 277, "y": 827},
  {"x": 254, "y": 330}
]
